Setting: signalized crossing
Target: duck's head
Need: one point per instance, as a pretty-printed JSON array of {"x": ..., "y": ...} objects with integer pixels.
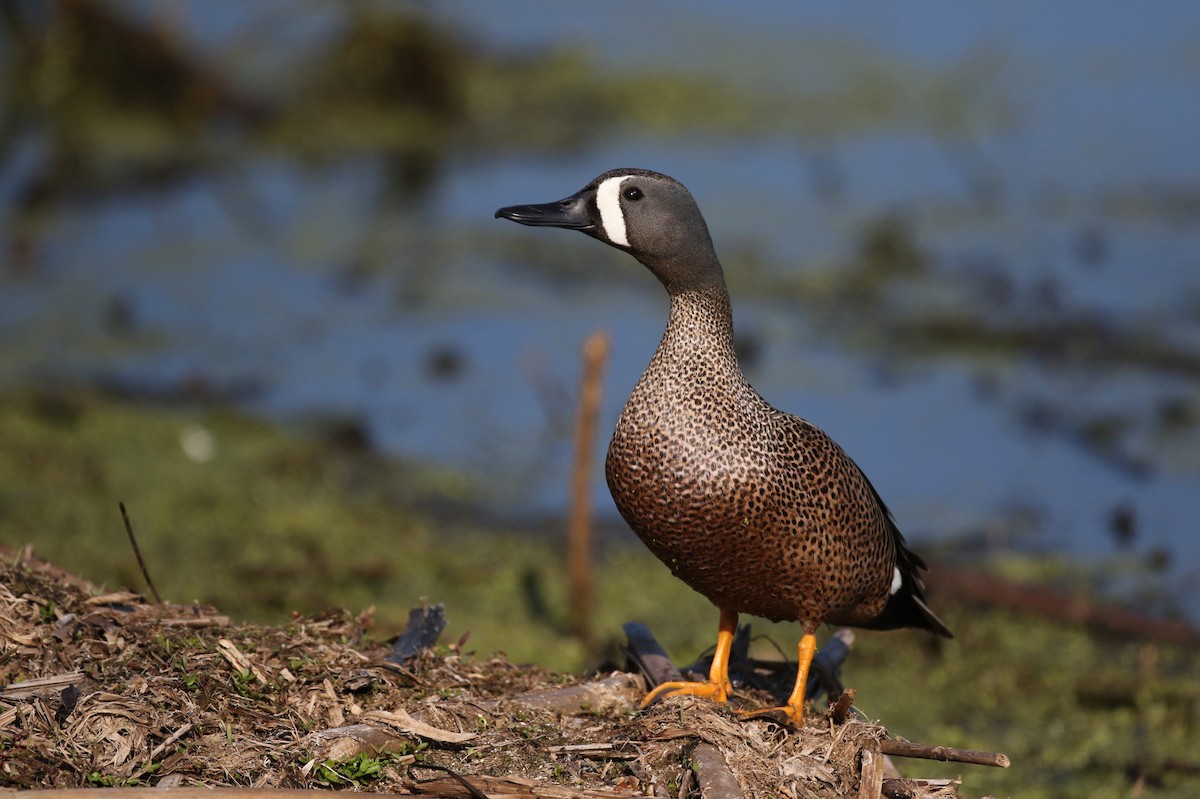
[{"x": 649, "y": 215}]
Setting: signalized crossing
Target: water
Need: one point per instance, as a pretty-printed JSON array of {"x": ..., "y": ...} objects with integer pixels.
[{"x": 1040, "y": 158}]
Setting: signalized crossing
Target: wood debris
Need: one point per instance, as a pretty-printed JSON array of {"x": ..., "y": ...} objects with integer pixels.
[{"x": 113, "y": 691}]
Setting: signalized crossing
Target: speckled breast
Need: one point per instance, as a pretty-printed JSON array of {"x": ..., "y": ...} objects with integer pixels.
[{"x": 749, "y": 513}]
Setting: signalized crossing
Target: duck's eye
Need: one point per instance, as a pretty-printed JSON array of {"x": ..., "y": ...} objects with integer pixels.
[{"x": 633, "y": 193}]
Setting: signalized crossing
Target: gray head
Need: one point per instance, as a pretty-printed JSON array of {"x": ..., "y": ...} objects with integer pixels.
[{"x": 649, "y": 215}]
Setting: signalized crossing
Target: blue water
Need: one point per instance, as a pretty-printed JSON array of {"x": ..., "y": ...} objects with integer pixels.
[{"x": 1070, "y": 119}]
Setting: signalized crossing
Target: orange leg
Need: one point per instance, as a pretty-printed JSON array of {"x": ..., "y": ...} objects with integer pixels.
[
  {"x": 795, "y": 703},
  {"x": 717, "y": 688},
  {"x": 794, "y": 709}
]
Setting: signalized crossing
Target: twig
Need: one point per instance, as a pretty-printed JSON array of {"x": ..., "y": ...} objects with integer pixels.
[
  {"x": 899, "y": 788},
  {"x": 399, "y": 719},
  {"x": 460, "y": 779},
  {"x": 842, "y": 707},
  {"x": 240, "y": 661},
  {"x": 479, "y": 785},
  {"x": 581, "y": 749},
  {"x": 41, "y": 686},
  {"x": 138, "y": 552},
  {"x": 203, "y": 621},
  {"x": 685, "y": 784},
  {"x": 598, "y": 751},
  {"x": 943, "y": 753},
  {"x": 170, "y": 739}
]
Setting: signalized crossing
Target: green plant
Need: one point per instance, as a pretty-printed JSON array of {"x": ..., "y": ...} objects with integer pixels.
[
  {"x": 99, "y": 779},
  {"x": 362, "y": 768}
]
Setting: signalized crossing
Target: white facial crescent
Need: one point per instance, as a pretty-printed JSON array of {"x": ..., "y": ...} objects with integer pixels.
[{"x": 608, "y": 200}]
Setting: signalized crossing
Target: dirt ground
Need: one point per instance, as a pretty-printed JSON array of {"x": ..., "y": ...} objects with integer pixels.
[{"x": 111, "y": 690}]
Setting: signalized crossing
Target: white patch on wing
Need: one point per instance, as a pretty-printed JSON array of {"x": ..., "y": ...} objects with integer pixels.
[
  {"x": 608, "y": 200},
  {"x": 897, "y": 580}
]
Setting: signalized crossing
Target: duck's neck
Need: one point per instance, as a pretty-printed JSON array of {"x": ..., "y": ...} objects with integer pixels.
[
  {"x": 699, "y": 332},
  {"x": 703, "y": 317}
]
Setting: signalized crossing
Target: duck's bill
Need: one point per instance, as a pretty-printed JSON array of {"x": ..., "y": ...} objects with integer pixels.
[{"x": 570, "y": 213}]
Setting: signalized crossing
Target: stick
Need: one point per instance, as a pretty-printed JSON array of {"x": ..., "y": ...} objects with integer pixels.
[
  {"x": 897, "y": 788},
  {"x": 943, "y": 753},
  {"x": 138, "y": 553},
  {"x": 870, "y": 785},
  {"x": 579, "y": 528},
  {"x": 842, "y": 706},
  {"x": 472, "y": 785},
  {"x": 204, "y": 621},
  {"x": 646, "y": 653},
  {"x": 41, "y": 686},
  {"x": 713, "y": 773},
  {"x": 400, "y": 720}
]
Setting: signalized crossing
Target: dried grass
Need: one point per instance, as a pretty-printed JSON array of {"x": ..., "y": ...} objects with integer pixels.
[{"x": 111, "y": 690}]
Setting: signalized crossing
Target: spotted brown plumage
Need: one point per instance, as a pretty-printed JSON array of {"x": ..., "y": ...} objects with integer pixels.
[{"x": 757, "y": 509}]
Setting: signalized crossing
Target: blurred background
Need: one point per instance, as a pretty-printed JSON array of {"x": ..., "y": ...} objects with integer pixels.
[
  {"x": 964, "y": 241},
  {"x": 252, "y": 286}
]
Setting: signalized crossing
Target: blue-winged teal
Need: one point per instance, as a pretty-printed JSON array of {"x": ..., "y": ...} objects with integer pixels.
[{"x": 758, "y": 510}]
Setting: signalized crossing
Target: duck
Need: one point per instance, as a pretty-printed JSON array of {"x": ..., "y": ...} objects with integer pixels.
[{"x": 758, "y": 510}]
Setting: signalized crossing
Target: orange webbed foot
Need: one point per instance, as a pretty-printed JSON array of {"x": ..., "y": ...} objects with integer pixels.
[
  {"x": 793, "y": 711},
  {"x": 715, "y": 691},
  {"x": 716, "y": 687}
]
